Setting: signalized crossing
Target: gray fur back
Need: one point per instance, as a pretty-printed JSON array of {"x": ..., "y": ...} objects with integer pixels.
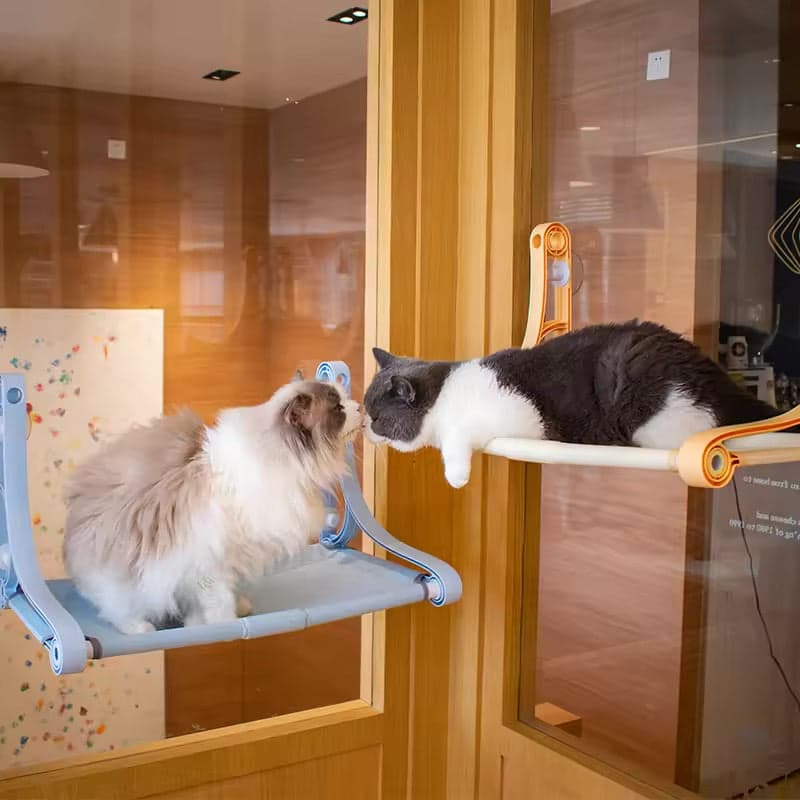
[{"x": 598, "y": 385}]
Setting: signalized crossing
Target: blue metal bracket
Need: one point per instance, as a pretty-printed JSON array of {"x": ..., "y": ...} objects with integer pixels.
[
  {"x": 443, "y": 583},
  {"x": 333, "y": 536},
  {"x": 44, "y": 616}
]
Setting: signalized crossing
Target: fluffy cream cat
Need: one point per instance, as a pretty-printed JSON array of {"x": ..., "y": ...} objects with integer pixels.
[{"x": 165, "y": 521}]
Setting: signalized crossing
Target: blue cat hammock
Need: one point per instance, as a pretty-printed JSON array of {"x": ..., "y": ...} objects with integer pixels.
[
  {"x": 329, "y": 581},
  {"x": 706, "y": 460}
]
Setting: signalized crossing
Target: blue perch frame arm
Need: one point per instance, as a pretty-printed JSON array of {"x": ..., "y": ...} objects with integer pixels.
[
  {"x": 333, "y": 536},
  {"x": 442, "y": 582},
  {"x": 44, "y": 616}
]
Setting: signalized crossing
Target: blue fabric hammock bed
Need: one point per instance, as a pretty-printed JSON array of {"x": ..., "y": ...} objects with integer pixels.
[{"x": 328, "y": 581}]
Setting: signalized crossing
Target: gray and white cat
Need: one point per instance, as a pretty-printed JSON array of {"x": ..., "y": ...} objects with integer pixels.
[{"x": 635, "y": 383}]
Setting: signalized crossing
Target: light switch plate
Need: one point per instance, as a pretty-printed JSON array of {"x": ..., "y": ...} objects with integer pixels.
[
  {"x": 658, "y": 65},
  {"x": 117, "y": 149}
]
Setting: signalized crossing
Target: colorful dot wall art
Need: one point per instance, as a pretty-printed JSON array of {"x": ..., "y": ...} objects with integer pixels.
[{"x": 89, "y": 376}]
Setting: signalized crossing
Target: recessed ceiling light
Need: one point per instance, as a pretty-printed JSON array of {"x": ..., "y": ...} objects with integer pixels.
[
  {"x": 221, "y": 74},
  {"x": 350, "y": 16},
  {"x": 797, "y": 146},
  {"x": 580, "y": 184},
  {"x": 590, "y": 127}
]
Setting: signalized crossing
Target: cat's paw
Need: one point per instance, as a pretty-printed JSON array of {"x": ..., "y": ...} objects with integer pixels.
[
  {"x": 208, "y": 616},
  {"x": 457, "y": 458},
  {"x": 133, "y": 626},
  {"x": 213, "y": 615},
  {"x": 457, "y": 475},
  {"x": 244, "y": 608},
  {"x": 194, "y": 618}
]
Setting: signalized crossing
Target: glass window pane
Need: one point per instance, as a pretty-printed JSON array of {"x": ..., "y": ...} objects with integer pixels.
[
  {"x": 643, "y": 642},
  {"x": 237, "y": 207}
]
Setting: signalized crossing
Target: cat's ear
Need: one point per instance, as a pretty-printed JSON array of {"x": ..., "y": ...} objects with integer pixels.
[
  {"x": 298, "y": 375},
  {"x": 298, "y": 412},
  {"x": 404, "y": 389},
  {"x": 383, "y": 357}
]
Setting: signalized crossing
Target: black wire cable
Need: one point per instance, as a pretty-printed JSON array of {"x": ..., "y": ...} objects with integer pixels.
[{"x": 757, "y": 598}]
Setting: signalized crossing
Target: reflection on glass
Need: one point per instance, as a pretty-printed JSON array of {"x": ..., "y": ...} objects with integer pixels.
[
  {"x": 237, "y": 207},
  {"x": 647, "y": 647}
]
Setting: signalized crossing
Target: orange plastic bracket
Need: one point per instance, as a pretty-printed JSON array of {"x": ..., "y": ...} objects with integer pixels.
[
  {"x": 709, "y": 459},
  {"x": 549, "y": 242}
]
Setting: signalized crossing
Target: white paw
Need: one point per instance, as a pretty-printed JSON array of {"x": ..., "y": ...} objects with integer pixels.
[
  {"x": 457, "y": 475},
  {"x": 244, "y": 608},
  {"x": 213, "y": 615},
  {"x": 136, "y": 626}
]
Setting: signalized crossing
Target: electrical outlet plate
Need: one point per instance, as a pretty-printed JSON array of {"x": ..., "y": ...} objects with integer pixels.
[
  {"x": 117, "y": 149},
  {"x": 658, "y": 62}
]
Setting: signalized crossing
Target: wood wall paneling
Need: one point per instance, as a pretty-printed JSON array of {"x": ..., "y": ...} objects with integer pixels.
[
  {"x": 359, "y": 770},
  {"x": 435, "y": 303},
  {"x": 247, "y": 757},
  {"x": 395, "y": 217},
  {"x": 470, "y": 341}
]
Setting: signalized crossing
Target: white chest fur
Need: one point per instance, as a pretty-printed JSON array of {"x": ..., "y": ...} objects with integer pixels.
[
  {"x": 270, "y": 510},
  {"x": 472, "y": 409}
]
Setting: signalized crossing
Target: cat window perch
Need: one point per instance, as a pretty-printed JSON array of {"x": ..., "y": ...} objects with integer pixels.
[
  {"x": 329, "y": 581},
  {"x": 706, "y": 460}
]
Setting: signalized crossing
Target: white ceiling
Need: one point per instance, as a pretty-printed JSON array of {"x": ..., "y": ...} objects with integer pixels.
[{"x": 162, "y": 48}]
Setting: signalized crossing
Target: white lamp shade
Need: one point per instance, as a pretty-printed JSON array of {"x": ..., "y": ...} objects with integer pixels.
[{"x": 19, "y": 158}]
